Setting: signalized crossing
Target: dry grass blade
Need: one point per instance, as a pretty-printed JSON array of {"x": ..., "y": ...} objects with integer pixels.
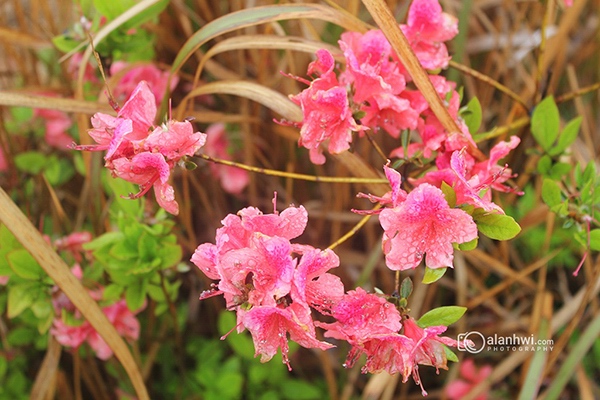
[
  {"x": 23, "y": 39},
  {"x": 16, "y": 99},
  {"x": 46, "y": 377},
  {"x": 55, "y": 267}
]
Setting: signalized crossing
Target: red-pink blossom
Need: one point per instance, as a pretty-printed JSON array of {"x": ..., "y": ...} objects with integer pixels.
[
  {"x": 369, "y": 66},
  {"x": 269, "y": 327},
  {"x": 424, "y": 224},
  {"x": 132, "y": 74},
  {"x": 233, "y": 180},
  {"x": 56, "y": 124},
  {"x": 360, "y": 315},
  {"x": 3, "y": 162},
  {"x": 327, "y": 115},
  {"x": 141, "y": 153},
  {"x": 74, "y": 335},
  {"x": 429, "y": 347},
  {"x": 470, "y": 376},
  {"x": 427, "y": 27}
]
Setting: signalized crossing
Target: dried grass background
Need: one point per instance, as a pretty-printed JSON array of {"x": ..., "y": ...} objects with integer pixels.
[{"x": 505, "y": 290}]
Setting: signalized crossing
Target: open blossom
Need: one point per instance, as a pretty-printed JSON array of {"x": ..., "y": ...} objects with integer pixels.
[
  {"x": 270, "y": 283},
  {"x": 141, "y": 153},
  {"x": 470, "y": 376},
  {"x": 327, "y": 115},
  {"x": 424, "y": 225},
  {"x": 427, "y": 28},
  {"x": 233, "y": 180},
  {"x": 420, "y": 224}
]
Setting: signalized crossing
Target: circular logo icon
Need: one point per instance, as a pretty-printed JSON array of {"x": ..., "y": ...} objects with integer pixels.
[{"x": 472, "y": 342}]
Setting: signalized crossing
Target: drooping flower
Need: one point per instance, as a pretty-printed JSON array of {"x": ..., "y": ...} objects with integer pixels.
[
  {"x": 141, "y": 153},
  {"x": 470, "y": 376},
  {"x": 424, "y": 225},
  {"x": 429, "y": 346}
]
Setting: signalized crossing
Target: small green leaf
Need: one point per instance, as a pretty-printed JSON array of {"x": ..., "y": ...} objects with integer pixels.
[
  {"x": 20, "y": 297},
  {"x": 296, "y": 389},
  {"x": 450, "y": 356},
  {"x": 445, "y": 316},
  {"x": 433, "y": 274},
  {"x": 31, "y": 162},
  {"x": 567, "y": 137},
  {"x": 470, "y": 245},
  {"x": 545, "y": 123},
  {"x": 551, "y": 193},
  {"x": 449, "y": 194},
  {"x": 496, "y": 226},
  {"x": 473, "y": 115},
  {"x": 135, "y": 295},
  {"x": 595, "y": 239},
  {"x": 24, "y": 265},
  {"x": 544, "y": 164},
  {"x": 112, "y": 292},
  {"x": 406, "y": 288},
  {"x": 559, "y": 169},
  {"x": 58, "y": 171}
]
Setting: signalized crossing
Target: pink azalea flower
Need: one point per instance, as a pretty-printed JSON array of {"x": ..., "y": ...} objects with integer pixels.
[
  {"x": 270, "y": 290},
  {"x": 73, "y": 243},
  {"x": 360, "y": 315},
  {"x": 427, "y": 27},
  {"x": 424, "y": 224},
  {"x": 470, "y": 376},
  {"x": 56, "y": 123},
  {"x": 89, "y": 74},
  {"x": 73, "y": 336},
  {"x": 233, "y": 180},
  {"x": 327, "y": 115},
  {"x": 429, "y": 347},
  {"x": 312, "y": 285},
  {"x": 269, "y": 327},
  {"x": 149, "y": 170},
  {"x": 132, "y": 74},
  {"x": 141, "y": 153},
  {"x": 369, "y": 66}
]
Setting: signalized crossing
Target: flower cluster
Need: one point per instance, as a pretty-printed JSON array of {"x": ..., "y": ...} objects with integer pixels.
[
  {"x": 271, "y": 283},
  {"x": 141, "y": 153},
  {"x": 372, "y": 93}
]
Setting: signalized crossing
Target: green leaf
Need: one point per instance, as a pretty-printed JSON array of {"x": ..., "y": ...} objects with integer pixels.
[
  {"x": 433, "y": 274},
  {"x": 551, "y": 193},
  {"x": 449, "y": 194},
  {"x": 135, "y": 295},
  {"x": 545, "y": 123},
  {"x": 64, "y": 43},
  {"x": 112, "y": 292},
  {"x": 119, "y": 188},
  {"x": 595, "y": 239},
  {"x": 296, "y": 389},
  {"x": 406, "y": 288},
  {"x": 24, "y": 265},
  {"x": 441, "y": 316},
  {"x": 473, "y": 115},
  {"x": 450, "y": 356},
  {"x": 31, "y": 162},
  {"x": 20, "y": 297},
  {"x": 58, "y": 171},
  {"x": 567, "y": 137},
  {"x": 470, "y": 245},
  {"x": 496, "y": 226},
  {"x": 544, "y": 164},
  {"x": 7, "y": 239},
  {"x": 559, "y": 169}
]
